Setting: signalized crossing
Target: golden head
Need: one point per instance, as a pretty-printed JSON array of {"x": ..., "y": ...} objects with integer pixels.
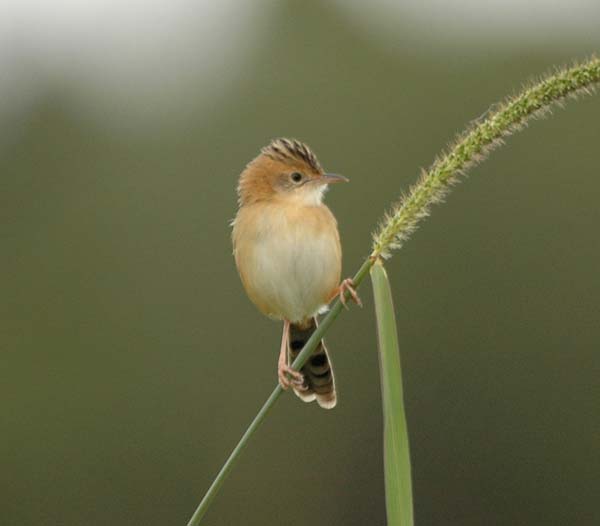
[{"x": 285, "y": 170}]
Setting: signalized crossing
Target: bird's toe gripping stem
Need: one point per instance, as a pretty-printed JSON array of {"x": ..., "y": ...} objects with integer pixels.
[{"x": 347, "y": 285}]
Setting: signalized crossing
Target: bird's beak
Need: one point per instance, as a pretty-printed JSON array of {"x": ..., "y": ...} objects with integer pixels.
[{"x": 334, "y": 178}]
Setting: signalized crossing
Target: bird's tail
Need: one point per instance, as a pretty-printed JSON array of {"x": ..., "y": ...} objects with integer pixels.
[{"x": 317, "y": 371}]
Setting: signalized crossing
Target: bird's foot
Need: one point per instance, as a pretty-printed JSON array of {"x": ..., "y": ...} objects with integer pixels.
[
  {"x": 295, "y": 378},
  {"x": 348, "y": 286}
]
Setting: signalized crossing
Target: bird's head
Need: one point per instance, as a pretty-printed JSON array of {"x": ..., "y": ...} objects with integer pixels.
[{"x": 287, "y": 171}]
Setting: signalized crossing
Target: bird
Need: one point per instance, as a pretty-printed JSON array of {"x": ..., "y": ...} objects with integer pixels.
[{"x": 288, "y": 254}]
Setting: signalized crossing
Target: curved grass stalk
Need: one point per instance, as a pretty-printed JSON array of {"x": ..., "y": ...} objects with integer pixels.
[
  {"x": 473, "y": 146},
  {"x": 470, "y": 147},
  {"x": 300, "y": 360}
]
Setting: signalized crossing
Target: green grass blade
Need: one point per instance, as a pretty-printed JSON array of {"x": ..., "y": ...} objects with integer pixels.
[{"x": 396, "y": 455}]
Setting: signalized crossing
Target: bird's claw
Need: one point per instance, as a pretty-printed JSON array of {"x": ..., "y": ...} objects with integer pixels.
[
  {"x": 295, "y": 378},
  {"x": 348, "y": 285}
]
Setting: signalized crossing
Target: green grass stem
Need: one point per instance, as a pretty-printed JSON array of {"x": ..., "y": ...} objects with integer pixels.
[
  {"x": 300, "y": 360},
  {"x": 471, "y": 146}
]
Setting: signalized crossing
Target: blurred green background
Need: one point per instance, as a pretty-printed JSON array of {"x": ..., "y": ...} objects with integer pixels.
[{"x": 132, "y": 360}]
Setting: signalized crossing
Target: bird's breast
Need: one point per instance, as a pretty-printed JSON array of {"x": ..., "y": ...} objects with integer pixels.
[{"x": 289, "y": 258}]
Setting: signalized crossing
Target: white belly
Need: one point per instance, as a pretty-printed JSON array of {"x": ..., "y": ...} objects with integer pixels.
[
  {"x": 291, "y": 268},
  {"x": 294, "y": 275}
]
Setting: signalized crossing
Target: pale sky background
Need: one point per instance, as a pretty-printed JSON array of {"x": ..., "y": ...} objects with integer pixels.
[
  {"x": 127, "y": 62},
  {"x": 508, "y": 23}
]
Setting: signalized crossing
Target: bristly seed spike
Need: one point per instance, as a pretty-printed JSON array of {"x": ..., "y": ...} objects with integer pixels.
[{"x": 472, "y": 146}]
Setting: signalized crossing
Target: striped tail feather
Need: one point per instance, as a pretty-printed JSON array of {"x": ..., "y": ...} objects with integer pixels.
[{"x": 317, "y": 371}]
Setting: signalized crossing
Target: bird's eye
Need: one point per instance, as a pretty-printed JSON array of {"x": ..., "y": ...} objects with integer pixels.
[{"x": 296, "y": 177}]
